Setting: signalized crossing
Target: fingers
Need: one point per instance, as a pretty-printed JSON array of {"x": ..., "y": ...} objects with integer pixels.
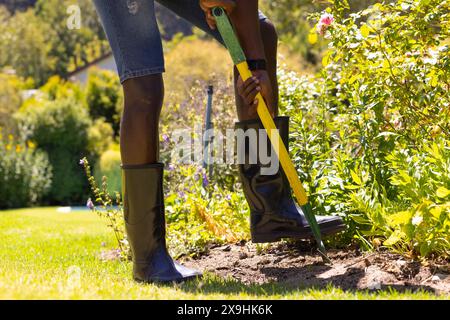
[
  {"x": 210, "y": 20},
  {"x": 208, "y": 5},
  {"x": 228, "y": 5},
  {"x": 248, "y": 90},
  {"x": 250, "y": 93}
]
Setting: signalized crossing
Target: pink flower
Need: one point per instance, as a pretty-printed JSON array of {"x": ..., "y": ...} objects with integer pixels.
[{"x": 325, "y": 21}]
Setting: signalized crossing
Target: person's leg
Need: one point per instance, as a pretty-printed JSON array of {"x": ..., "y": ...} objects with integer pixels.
[
  {"x": 139, "y": 137},
  {"x": 274, "y": 214},
  {"x": 277, "y": 216},
  {"x": 133, "y": 34}
]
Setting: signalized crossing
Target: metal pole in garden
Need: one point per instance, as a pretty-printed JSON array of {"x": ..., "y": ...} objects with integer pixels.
[
  {"x": 208, "y": 138},
  {"x": 237, "y": 54}
]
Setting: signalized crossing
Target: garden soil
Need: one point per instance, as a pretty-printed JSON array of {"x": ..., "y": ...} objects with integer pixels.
[{"x": 296, "y": 266}]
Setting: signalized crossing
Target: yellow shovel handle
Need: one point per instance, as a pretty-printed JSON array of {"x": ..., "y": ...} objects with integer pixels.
[{"x": 275, "y": 137}]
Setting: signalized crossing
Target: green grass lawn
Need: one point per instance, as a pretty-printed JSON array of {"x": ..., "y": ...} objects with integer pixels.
[{"x": 49, "y": 255}]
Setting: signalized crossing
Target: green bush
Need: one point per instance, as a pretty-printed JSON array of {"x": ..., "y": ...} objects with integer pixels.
[
  {"x": 61, "y": 129},
  {"x": 57, "y": 89},
  {"x": 192, "y": 61},
  {"x": 200, "y": 212},
  {"x": 371, "y": 131},
  {"x": 102, "y": 97},
  {"x": 420, "y": 217},
  {"x": 100, "y": 137},
  {"x": 290, "y": 17},
  {"x": 10, "y": 99},
  {"x": 57, "y": 119},
  {"x": 25, "y": 173},
  {"x": 109, "y": 166}
]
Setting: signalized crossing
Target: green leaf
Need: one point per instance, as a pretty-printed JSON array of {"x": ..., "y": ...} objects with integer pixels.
[
  {"x": 400, "y": 218},
  {"x": 355, "y": 177},
  {"x": 424, "y": 249},
  {"x": 436, "y": 211},
  {"x": 395, "y": 237},
  {"x": 434, "y": 80},
  {"x": 442, "y": 192},
  {"x": 326, "y": 59},
  {"x": 404, "y": 174},
  {"x": 365, "y": 30},
  {"x": 353, "y": 78},
  {"x": 312, "y": 37}
]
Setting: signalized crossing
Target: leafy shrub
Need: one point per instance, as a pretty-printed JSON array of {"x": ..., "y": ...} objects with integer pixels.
[
  {"x": 392, "y": 63},
  {"x": 10, "y": 99},
  {"x": 199, "y": 212},
  {"x": 367, "y": 130},
  {"x": 57, "y": 119},
  {"x": 192, "y": 61},
  {"x": 57, "y": 89},
  {"x": 25, "y": 173},
  {"x": 422, "y": 221},
  {"x": 61, "y": 129},
  {"x": 100, "y": 137},
  {"x": 108, "y": 207},
  {"x": 109, "y": 166},
  {"x": 291, "y": 20},
  {"x": 102, "y": 96}
]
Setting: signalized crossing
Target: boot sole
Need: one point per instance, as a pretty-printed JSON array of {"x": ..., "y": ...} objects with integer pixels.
[
  {"x": 325, "y": 230},
  {"x": 169, "y": 281}
]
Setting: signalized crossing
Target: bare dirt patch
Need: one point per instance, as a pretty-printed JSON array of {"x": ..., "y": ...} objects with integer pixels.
[{"x": 295, "y": 265}]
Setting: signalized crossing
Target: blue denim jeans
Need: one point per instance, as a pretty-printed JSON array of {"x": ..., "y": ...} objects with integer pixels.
[{"x": 133, "y": 34}]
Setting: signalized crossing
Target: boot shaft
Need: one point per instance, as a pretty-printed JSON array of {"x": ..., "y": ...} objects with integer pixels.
[
  {"x": 264, "y": 193},
  {"x": 143, "y": 202}
]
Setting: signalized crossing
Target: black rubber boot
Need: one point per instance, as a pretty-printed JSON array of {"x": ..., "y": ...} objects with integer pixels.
[
  {"x": 273, "y": 213},
  {"x": 143, "y": 201}
]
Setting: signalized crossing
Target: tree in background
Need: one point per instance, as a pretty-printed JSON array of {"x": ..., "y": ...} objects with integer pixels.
[
  {"x": 58, "y": 122},
  {"x": 71, "y": 48},
  {"x": 46, "y": 45},
  {"x": 28, "y": 52}
]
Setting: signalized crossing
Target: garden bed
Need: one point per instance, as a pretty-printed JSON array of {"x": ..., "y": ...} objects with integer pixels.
[{"x": 296, "y": 266}]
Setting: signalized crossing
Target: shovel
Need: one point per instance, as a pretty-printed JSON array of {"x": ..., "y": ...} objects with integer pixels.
[{"x": 237, "y": 54}]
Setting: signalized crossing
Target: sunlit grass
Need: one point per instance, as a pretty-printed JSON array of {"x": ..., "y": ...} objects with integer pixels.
[{"x": 49, "y": 255}]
